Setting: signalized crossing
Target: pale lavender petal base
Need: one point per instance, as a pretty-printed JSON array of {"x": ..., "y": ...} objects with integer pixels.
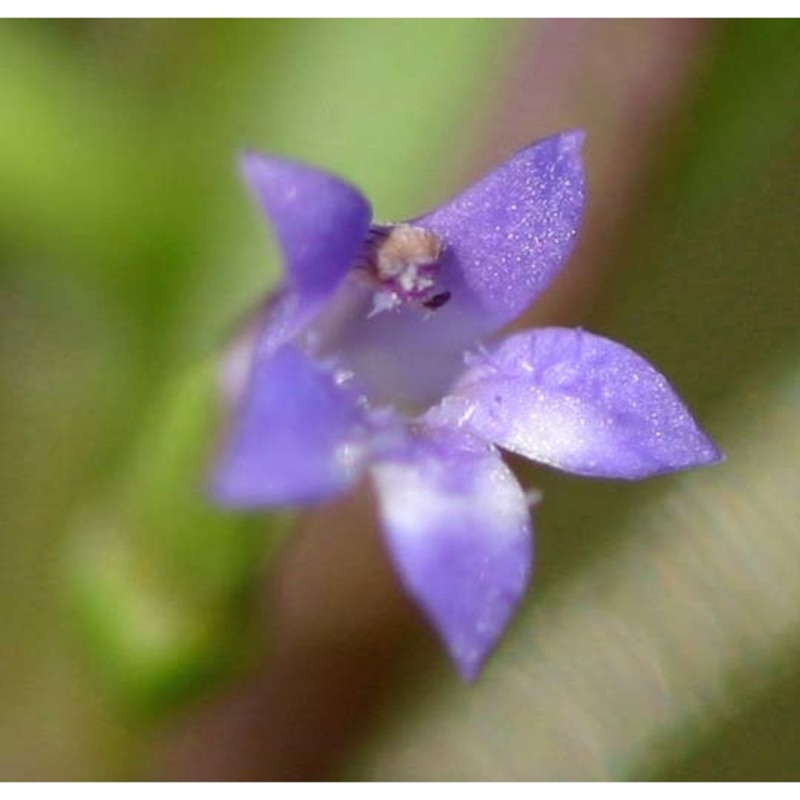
[
  {"x": 458, "y": 530},
  {"x": 320, "y": 221},
  {"x": 580, "y": 403},
  {"x": 298, "y": 437}
]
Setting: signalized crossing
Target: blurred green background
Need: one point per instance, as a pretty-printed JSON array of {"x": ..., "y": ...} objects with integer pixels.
[{"x": 146, "y": 635}]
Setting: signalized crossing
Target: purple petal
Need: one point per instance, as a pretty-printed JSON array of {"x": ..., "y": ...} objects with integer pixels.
[
  {"x": 510, "y": 233},
  {"x": 580, "y": 403},
  {"x": 459, "y": 532},
  {"x": 320, "y": 220},
  {"x": 298, "y": 436},
  {"x": 280, "y": 319}
]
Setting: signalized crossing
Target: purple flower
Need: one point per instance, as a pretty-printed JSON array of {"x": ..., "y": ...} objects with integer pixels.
[{"x": 375, "y": 357}]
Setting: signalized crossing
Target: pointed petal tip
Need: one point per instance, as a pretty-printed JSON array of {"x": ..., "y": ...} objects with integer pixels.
[
  {"x": 257, "y": 166},
  {"x": 254, "y": 163},
  {"x": 469, "y": 670},
  {"x": 700, "y": 460},
  {"x": 252, "y": 156},
  {"x": 712, "y": 454},
  {"x": 706, "y": 455},
  {"x": 249, "y": 161},
  {"x": 470, "y": 665},
  {"x": 574, "y": 139},
  {"x": 569, "y": 142},
  {"x": 703, "y": 452},
  {"x": 245, "y": 154}
]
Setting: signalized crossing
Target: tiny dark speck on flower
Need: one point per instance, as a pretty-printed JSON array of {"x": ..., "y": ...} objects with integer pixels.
[
  {"x": 351, "y": 375},
  {"x": 437, "y": 301}
]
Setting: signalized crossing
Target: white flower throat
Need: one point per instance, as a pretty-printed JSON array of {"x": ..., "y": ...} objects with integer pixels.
[{"x": 383, "y": 328}]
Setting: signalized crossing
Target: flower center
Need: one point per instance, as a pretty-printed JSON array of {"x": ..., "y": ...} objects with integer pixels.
[
  {"x": 401, "y": 262},
  {"x": 385, "y": 329}
]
